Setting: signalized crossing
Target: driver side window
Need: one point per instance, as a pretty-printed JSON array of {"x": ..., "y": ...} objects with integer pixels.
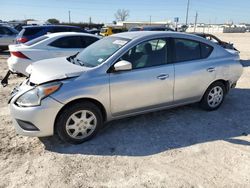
[{"x": 147, "y": 54}]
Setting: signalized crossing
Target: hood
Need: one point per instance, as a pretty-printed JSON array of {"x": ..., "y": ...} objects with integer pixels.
[{"x": 53, "y": 69}]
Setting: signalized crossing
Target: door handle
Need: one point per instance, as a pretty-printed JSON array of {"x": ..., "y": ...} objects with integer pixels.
[
  {"x": 162, "y": 76},
  {"x": 211, "y": 69}
]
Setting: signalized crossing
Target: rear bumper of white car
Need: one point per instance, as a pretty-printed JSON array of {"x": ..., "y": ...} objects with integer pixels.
[
  {"x": 35, "y": 121},
  {"x": 18, "y": 65}
]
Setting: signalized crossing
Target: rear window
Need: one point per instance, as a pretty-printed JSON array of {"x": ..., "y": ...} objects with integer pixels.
[
  {"x": 187, "y": 50},
  {"x": 68, "y": 42},
  {"x": 86, "y": 41},
  {"x": 205, "y": 50},
  {"x": 34, "y": 41},
  {"x": 31, "y": 31}
]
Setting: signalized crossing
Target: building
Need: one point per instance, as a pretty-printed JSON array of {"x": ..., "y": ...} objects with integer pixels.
[
  {"x": 128, "y": 24},
  {"x": 216, "y": 28}
]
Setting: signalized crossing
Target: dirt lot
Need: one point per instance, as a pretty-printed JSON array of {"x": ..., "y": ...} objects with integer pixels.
[{"x": 182, "y": 147}]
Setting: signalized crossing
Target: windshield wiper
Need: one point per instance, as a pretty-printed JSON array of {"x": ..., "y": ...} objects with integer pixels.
[
  {"x": 80, "y": 62},
  {"x": 72, "y": 58}
]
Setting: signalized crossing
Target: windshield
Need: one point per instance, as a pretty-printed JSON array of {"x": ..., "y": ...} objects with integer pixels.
[{"x": 99, "y": 51}]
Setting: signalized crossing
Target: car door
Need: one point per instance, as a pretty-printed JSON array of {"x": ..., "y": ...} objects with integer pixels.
[
  {"x": 194, "y": 70},
  {"x": 148, "y": 85},
  {"x": 6, "y": 36},
  {"x": 65, "y": 46}
]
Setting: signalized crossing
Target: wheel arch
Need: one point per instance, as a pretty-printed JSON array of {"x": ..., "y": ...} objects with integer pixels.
[
  {"x": 225, "y": 83},
  {"x": 75, "y": 101}
]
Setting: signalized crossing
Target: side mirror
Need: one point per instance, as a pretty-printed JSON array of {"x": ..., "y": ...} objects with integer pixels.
[{"x": 122, "y": 66}]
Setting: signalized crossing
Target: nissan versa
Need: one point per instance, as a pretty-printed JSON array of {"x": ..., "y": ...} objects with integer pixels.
[{"x": 121, "y": 75}]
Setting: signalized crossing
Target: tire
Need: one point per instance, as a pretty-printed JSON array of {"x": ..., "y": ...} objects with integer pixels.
[
  {"x": 213, "y": 97},
  {"x": 79, "y": 122}
]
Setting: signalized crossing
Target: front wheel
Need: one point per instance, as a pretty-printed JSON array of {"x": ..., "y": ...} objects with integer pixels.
[
  {"x": 79, "y": 122},
  {"x": 213, "y": 97}
]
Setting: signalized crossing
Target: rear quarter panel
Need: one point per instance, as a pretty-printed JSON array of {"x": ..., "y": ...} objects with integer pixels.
[{"x": 228, "y": 66}]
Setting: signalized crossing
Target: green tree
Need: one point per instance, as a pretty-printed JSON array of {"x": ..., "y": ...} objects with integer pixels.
[{"x": 53, "y": 21}]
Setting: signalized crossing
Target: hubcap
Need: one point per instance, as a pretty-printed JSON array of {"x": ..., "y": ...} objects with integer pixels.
[
  {"x": 81, "y": 124},
  {"x": 215, "y": 96}
]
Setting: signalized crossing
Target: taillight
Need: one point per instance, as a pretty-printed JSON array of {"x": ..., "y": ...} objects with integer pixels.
[
  {"x": 19, "y": 54},
  {"x": 22, "y": 40}
]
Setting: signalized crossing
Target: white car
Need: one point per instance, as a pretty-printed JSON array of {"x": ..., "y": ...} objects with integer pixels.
[{"x": 46, "y": 47}]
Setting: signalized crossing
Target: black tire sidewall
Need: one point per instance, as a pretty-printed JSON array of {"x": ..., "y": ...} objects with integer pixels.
[
  {"x": 67, "y": 112},
  {"x": 204, "y": 102}
]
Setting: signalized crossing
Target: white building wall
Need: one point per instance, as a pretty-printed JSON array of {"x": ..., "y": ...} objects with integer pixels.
[{"x": 216, "y": 29}]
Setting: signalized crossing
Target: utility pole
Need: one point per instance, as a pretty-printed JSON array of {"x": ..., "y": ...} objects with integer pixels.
[
  {"x": 195, "y": 22},
  {"x": 187, "y": 12},
  {"x": 90, "y": 22},
  {"x": 150, "y": 19},
  {"x": 69, "y": 17}
]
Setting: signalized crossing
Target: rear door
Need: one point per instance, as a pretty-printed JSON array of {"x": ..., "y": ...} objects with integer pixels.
[
  {"x": 148, "y": 85},
  {"x": 194, "y": 71}
]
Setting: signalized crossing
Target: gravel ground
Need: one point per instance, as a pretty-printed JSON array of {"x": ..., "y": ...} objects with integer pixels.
[{"x": 181, "y": 147}]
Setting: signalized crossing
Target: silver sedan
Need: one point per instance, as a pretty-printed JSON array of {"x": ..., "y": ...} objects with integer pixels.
[{"x": 122, "y": 75}]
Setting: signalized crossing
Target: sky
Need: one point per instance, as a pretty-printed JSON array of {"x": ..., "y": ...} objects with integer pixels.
[{"x": 102, "y": 11}]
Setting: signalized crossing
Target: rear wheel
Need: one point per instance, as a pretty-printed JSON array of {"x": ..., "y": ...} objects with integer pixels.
[
  {"x": 79, "y": 122},
  {"x": 214, "y": 96}
]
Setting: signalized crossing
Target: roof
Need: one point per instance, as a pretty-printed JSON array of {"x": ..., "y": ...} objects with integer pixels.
[
  {"x": 71, "y": 34},
  {"x": 44, "y": 26},
  {"x": 141, "y": 34}
]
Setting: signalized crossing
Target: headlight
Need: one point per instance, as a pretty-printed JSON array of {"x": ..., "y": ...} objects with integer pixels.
[{"x": 34, "y": 96}]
